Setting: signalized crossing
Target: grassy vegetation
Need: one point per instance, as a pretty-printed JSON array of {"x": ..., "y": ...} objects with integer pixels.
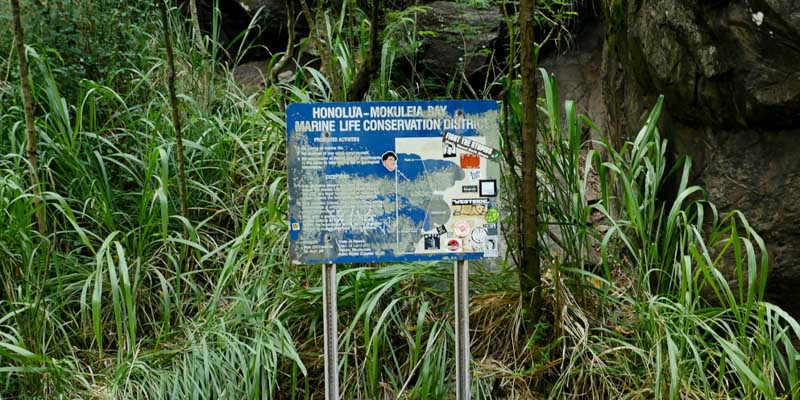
[{"x": 102, "y": 308}]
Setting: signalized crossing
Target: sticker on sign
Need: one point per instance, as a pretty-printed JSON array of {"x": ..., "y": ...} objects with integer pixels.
[{"x": 392, "y": 181}]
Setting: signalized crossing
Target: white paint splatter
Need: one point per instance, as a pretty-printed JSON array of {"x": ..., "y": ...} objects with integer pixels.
[{"x": 758, "y": 18}]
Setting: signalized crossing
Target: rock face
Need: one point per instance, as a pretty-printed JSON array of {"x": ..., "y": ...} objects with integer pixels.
[
  {"x": 730, "y": 71},
  {"x": 722, "y": 63},
  {"x": 758, "y": 171}
]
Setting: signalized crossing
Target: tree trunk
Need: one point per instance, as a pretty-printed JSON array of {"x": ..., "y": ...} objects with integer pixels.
[
  {"x": 176, "y": 121},
  {"x": 30, "y": 128},
  {"x": 288, "y": 55},
  {"x": 529, "y": 268},
  {"x": 198, "y": 36},
  {"x": 363, "y": 79},
  {"x": 324, "y": 46}
]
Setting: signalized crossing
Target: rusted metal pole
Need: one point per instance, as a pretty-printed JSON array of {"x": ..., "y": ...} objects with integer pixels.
[{"x": 461, "y": 278}]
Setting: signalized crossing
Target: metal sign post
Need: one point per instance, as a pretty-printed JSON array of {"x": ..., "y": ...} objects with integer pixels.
[
  {"x": 330, "y": 323},
  {"x": 461, "y": 278}
]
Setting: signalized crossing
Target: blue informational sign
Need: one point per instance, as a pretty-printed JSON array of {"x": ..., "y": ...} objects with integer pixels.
[{"x": 393, "y": 181}]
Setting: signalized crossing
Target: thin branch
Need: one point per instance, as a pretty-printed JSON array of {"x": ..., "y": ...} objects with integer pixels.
[
  {"x": 289, "y": 53},
  {"x": 30, "y": 128},
  {"x": 198, "y": 36},
  {"x": 324, "y": 45}
]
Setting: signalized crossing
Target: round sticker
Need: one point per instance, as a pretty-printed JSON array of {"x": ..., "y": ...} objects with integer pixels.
[
  {"x": 492, "y": 215},
  {"x": 453, "y": 244},
  {"x": 461, "y": 229}
]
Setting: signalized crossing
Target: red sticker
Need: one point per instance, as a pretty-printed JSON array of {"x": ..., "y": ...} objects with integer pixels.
[
  {"x": 453, "y": 244},
  {"x": 470, "y": 161}
]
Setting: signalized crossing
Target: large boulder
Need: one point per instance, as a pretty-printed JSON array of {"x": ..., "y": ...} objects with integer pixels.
[
  {"x": 271, "y": 17},
  {"x": 459, "y": 44},
  {"x": 730, "y": 71},
  {"x": 758, "y": 171}
]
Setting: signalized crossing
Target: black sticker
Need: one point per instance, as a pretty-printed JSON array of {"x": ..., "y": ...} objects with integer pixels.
[
  {"x": 488, "y": 187},
  {"x": 441, "y": 230},
  {"x": 448, "y": 150},
  {"x": 469, "y": 189},
  {"x": 431, "y": 242}
]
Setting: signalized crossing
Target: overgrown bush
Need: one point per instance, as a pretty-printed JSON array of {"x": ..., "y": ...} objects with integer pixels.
[
  {"x": 96, "y": 40},
  {"x": 102, "y": 308}
]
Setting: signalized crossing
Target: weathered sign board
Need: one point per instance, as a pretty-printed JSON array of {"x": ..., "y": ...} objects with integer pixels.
[{"x": 393, "y": 181}]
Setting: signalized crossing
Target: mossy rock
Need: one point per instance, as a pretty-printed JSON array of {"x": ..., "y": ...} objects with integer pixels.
[{"x": 460, "y": 41}]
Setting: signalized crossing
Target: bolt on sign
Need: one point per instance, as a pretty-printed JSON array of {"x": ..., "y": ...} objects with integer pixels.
[{"x": 393, "y": 181}]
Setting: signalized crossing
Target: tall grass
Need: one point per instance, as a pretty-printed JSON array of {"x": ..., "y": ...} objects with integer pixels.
[
  {"x": 101, "y": 308},
  {"x": 680, "y": 286}
]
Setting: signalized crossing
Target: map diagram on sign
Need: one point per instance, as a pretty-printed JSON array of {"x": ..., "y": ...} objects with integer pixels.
[{"x": 398, "y": 181}]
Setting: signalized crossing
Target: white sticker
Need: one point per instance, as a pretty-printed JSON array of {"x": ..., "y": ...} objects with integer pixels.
[
  {"x": 478, "y": 235},
  {"x": 490, "y": 247}
]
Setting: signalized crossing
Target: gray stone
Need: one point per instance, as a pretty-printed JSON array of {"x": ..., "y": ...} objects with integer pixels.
[
  {"x": 266, "y": 21},
  {"x": 758, "y": 172},
  {"x": 578, "y": 71}
]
